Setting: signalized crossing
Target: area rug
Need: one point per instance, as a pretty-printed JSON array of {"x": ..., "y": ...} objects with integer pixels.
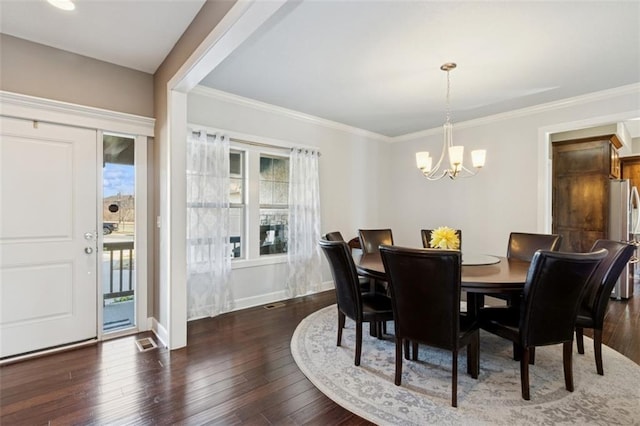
[{"x": 425, "y": 394}]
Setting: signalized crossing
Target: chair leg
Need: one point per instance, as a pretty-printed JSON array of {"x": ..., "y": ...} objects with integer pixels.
[
  {"x": 341, "y": 321},
  {"x": 454, "y": 378},
  {"x": 384, "y": 327},
  {"x": 567, "y": 352},
  {"x": 597, "y": 349},
  {"x": 407, "y": 352},
  {"x": 473, "y": 356},
  {"x": 414, "y": 351},
  {"x": 580, "y": 340},
  {"x": 517, "y": 353},
  {"x": 358, "y": 342},
  {"x": 524, "y": 373},
  {"x": 373, "y": 330},
  {"x": 399, "y": 344}
]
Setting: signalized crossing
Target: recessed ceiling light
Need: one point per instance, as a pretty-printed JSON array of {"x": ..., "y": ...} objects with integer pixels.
[{"x": 63, "y": 4}]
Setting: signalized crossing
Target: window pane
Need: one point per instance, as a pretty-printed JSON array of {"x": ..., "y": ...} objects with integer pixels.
[
  {"x": 236, "y": 177},
  {"x": 235, "y": 163},
  {"x": 273, "y": 231},
  {"x": 280, "y": 193},
  {"x": 236, "y": 230},
  {"x": 281, "y": 169},
  {"x": 274, "y": 192},
  {"x": 118, "y": 228},
  {"x": 266, "y": 192},
  {"x": 274, "y": 180},
  {"x": 235, "y": 191},
  {"x": 266, "y": 168}
]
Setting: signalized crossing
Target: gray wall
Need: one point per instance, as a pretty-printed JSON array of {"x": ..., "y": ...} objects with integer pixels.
[{"x": 37, "y": 70}]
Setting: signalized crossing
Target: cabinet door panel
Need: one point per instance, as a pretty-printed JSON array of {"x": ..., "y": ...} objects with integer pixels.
[{"x": 580, "y": 200}]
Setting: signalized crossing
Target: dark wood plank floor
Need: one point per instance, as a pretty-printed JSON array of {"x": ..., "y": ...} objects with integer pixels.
[{"x": 237, "y": 369}]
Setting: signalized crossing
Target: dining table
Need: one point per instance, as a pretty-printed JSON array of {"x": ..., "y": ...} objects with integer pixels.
[{"x": 481, "y": 275}]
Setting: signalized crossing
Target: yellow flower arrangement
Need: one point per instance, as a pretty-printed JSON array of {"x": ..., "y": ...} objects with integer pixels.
[{"x": 444, "y": 238}]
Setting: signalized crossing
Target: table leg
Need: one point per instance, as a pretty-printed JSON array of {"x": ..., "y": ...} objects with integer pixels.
[{"x": 474, "y": 302}]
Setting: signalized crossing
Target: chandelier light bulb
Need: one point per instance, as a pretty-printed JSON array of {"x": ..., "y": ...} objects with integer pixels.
[
  {"x": 423, "y": 161},
  {"x": 478, "y": 157},
  {"x": 456, "y": 154}
]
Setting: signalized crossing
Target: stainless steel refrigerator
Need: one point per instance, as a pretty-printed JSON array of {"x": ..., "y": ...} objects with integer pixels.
[{"x": 624, "y": 225}]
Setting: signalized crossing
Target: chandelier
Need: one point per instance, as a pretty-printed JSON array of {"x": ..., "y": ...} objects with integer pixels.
[{"x": 455, "y": 153}]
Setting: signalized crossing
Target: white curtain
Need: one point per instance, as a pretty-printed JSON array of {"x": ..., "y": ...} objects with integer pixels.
[
  {"x": 208, "y": 248},
  {"x": 304, "y": 223}
]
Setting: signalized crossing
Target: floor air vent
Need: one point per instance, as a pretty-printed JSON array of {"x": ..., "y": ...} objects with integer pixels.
[
  {"x": 274, "y": 305},
  {"x": 146, "y": 344}
]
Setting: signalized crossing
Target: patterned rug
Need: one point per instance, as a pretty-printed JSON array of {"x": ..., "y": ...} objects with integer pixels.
[{"x": 425, "y": 394}]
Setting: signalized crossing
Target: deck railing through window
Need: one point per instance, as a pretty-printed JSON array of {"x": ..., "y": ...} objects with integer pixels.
[{"x": 121, "y": 267}]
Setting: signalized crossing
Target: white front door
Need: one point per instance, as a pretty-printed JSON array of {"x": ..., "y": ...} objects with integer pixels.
[{"x": 48, "y": 216}]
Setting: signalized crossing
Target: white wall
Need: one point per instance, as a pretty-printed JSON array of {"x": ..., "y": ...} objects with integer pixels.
[
  {"x": 509, "y": 193},
  {"x": 353, "y": 175}
]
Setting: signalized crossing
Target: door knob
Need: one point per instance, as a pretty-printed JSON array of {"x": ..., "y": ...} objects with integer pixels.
[
  {"x": 89, "y": 236},
  {"x": 88, "y": 250}
]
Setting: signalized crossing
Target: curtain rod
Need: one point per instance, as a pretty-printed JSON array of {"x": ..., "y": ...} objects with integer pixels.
[{"x": 262, "y": 144}]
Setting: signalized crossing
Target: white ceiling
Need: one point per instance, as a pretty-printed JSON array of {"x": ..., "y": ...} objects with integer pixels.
[
  {"x": 136, "y": 34},
  {"x": 376, "y": 64},
  {"x": 368, "y": 63}
]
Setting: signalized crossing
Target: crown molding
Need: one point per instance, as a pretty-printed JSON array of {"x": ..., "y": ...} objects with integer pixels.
[
  {"x": 48, "y": 110},
  {"x": 522, "y": 112},
  {"x": 546, "y": 107},
  {"x": 263, "y": 106}
]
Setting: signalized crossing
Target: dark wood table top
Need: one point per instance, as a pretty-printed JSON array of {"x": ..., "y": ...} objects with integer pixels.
[{"x": 506, "y": 276}]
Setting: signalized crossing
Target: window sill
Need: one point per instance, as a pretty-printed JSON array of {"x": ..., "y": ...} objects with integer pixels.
[{"x": 251, "y": 263}]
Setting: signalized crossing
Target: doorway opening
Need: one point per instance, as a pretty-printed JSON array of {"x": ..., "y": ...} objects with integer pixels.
[{"x": 118, "y": 264}]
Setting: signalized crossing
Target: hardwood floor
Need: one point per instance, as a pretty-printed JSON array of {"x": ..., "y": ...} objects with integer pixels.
[{"x": 237, "y": 369}]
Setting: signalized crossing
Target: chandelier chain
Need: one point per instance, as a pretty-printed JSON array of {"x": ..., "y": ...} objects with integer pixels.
[{"x": 448, "y": 110}]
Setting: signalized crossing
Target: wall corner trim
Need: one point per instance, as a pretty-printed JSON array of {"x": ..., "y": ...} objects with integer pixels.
[
  {"x": 296, "y": 115},
  {"x": 522, "y": 112}
]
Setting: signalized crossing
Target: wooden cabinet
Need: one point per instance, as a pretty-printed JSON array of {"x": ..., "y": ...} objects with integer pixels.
[
  {"x": 631, "y": 169},
  {"x": 580, "y": 184}
]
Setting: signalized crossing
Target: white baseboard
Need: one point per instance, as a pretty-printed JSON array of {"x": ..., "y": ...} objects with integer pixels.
[
  {"x": 327, "y": 285},
  {"x": 262, "y": 299},
  {"x": 276, "y": 296},
  {"x": 161, "y": 333}
]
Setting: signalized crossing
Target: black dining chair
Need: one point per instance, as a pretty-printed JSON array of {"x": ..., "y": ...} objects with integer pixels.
[
  {"x": 333, "y": 236},
  {"x": 374, "y": 308},
  {"x": 522, "y": 246},
  {"x": 354, "y": 243},
  {"x": 366, "y": 284},
  {"x": 426, "y": 237},
  {"x": 596, "y": 298},
  {"x": 371, "y": 239},
  {"x": 425, "y": 294},
  {"x": 555, "y": 285}
]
